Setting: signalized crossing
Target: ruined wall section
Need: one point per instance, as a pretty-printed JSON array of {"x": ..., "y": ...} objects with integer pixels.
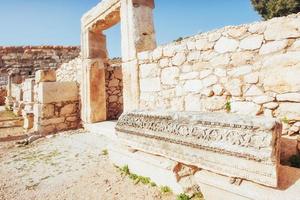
[
  {"x": 70, "y": 71},
  {"x": 249, "y": 69},
  {"x": 114, "y": 90},
  {"x": 25, "y": 60}
]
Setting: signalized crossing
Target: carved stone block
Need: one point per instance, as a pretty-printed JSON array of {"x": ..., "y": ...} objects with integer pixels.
[{"x": 233, "y": 145}]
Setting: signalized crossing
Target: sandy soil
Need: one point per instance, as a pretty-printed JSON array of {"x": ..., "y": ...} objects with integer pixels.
[{"x": 70, "y": 165}]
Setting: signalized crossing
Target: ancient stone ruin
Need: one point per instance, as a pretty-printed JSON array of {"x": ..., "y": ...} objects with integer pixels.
[{"x": 218, "y": 112}]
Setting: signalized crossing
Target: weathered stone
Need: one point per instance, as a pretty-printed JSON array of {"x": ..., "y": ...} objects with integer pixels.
[
  {"x": 157, "y": 53},
  {"x": 68, "y": 109},
  {"x": 242, "y": 70},
  {"x": 50, "y": 92},
  {"x": 164, "y": 62},
  {"x": 282, "y": 29},
  {"x": 292, "y": 97},
  {"x": 253, "y": 91},
  {"x": 203, "y": 44},
  {"x": 272, "y": 47},
  {"x": 47, "y": 110},
  {"x": 194, "y": 55},
  {"x": 224, "y": 45},
  {"x": 45, "y": 76},
  {"x": 214, "y": 103},
  {"x": 268, "y": 113},
  {"x": 113, "y": 98},
  {"x": 234, "y": 87},
  {"x": 252, "y": 78},
  {"x": 183, "y": 144},
  {"x": 143, "y": 55},
  {"x": 236, "y": 32},
  {"x": 150, "y": 85},
  {"x": 291, "y": 111},
  {"x": 205, "y": 73},
  {"x": 169, "y": 76},
  {"x": 179, "y": 59},
  {"x": 271, "y": 105},
  {"x": 262, "y": 99},
  {"x": 245, "y": 108},
  {"x": 189, "y": 75},
  {"x": 52, "y": 121},
  {"x": 149, "y": 70},
  {"x": 207, "y": 92},
  {"x": 193, "y": 86},
  {"x": 221, "y": 60},
  {"x": 209, "y": 81},
  {"x": 113, "y": 83},
  {"x": 214, "y": 36},
  {"x": 192, "y": 103},
  {"x": 218, "y": 90},
  {"x": 252, "y": 42},
  {"x": 242, "y": 58},
  {"x": 220, "y": 72}
]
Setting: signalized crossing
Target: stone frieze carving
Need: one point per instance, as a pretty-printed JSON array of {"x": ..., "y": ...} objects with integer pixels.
[{"x": 233, "y": 145}]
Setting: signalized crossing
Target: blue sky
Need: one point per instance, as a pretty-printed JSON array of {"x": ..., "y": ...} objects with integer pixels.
[{"x": 57, "y": 22}]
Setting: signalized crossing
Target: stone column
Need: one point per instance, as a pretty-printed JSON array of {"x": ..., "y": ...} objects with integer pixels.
[
  {"x": 9, "y": 100},
  {"x": 137, "y": 31},
  {"x": 93, "y": 95}
]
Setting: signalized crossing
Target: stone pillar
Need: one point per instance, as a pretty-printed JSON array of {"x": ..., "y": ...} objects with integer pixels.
[
  {"x": 137, "y": 32},
  {"x": 9, "y": 100},
  {"x": 93, "y": 95}
]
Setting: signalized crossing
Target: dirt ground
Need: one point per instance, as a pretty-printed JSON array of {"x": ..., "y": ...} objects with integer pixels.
[{"x": 70, "y": 165}]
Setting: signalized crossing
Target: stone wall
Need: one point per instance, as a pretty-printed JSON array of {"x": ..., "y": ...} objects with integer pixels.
[
  {"x": 26, "y": 60},
  {"x": 2, "y": 95},
  {"x": 114, "y": 90},
  {"x": 249, "y": 69},
  {"x": 70, "y": 71}
]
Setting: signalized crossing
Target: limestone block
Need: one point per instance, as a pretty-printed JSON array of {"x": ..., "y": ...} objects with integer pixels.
[
  {"x": 51, "y": 121},
  {"x": 253, "y": 91},
  {"x": 194, "y": 55},
  {"x": 203, "y": 44},
  {"x": 50, "y": 92},
  {"x": 225, "y": 44},
  {"x": 68, "y": 109},
  {"x": 113, "y": 98},
  {"x": 114, "y": 83},
  {"x": 252, "y": 42},
  {"x": 292, "y": 97},
  {"x": 205, "y": 73},
  {"x": 218, "y": 89},
  {"x": 220, "y": 72},
  {"x": 290, "y": 111},
  {"x": 296, "y": 45},
  {"x": 207, "y": 92},
  {"x": 283, "y": 68},
  {"x": 236, "y": 32},
  {"x": 144, "y": 55},
  {"x": 193, "y": 103},
  {"x": 177, "y": 104},
  {"x": 197, "y": 139},
  {"x": 45, "y": 76},
  {"x": 179, "y": 59},
  {"x": 268, "y": 113},
  {"x": 209, "y": 81},
  {"x": 272, "y": 47},
  {"x": 169, "y": 76},
  {"x": 282, "y": 29},
  {"x": 191, "y": 45},
  {"x": 263, "y": 99},
  {"x": 150, "y": 85},
  {"x": 149, "y": 70},
  {"x": 238, "y": 71},
  {"x": 188, "y": 76},
  {"x": 47, "y": 110},
  {"x": 214, "y": 103},
  {"x": 251, "y": 78},
  {"x": 212, "y": 37},
  {"x": 242, "y": 58},
  {"x": 157, "y": 53},
  {"x": 245, "y": 108},
  {"x": 164, "y": 62},
  {"x": 118, "y": 73},
  {"x": 221, "y": 60},
  {"x": 234, "y": 87},
  {"x": 258, "y": 27},
  {"x": 271, "y": 105},
  {"x": 193, "y": 86},
  {"x": 28, "y": 121}
]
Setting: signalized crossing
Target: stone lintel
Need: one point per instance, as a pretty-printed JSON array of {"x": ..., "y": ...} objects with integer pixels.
[{"x": 232, "y": 145}]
